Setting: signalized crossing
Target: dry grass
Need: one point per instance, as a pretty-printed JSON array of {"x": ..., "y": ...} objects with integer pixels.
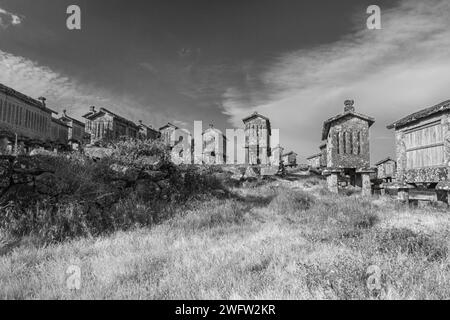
[{"x": 286, "y": 239}]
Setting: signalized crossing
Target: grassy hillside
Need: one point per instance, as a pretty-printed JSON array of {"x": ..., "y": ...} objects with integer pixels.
[{"x": 283, "y": 239}]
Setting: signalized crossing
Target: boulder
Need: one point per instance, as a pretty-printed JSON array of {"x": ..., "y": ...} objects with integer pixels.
[
  {"x": 98, "y": 152},
  {"x": 120, "y": 172},
  {"x": 250, "y": 172},
  {"x": 153, "y": 175}
]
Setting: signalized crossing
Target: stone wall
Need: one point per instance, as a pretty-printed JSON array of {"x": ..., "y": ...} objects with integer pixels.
[{"x": 351, "y": 151}]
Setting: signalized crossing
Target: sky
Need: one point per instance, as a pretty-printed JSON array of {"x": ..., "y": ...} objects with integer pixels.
[{"x": 218, "y": 61}]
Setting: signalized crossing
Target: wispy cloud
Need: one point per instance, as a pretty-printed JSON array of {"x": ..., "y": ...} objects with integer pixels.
[
  {"x": 389, "y": 72},
  {"x": 8, "y": 19},
  {"x": 61, "y": 91}
]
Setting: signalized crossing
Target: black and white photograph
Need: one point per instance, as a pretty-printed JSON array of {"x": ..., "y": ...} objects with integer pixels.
[{"x": 224, "y": 156}]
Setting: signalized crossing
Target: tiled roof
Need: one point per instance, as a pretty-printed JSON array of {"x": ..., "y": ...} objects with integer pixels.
[
  {"x": 104, "y": 110},
  {"x": 254, "y": 115},
  {"x": 16, "y": 94},
  {"x": 314, "y": 156},
  {"x": 384, "y": 160},
  {"x": 327, "y": 123},
  {"x": 441, "y": 107}
]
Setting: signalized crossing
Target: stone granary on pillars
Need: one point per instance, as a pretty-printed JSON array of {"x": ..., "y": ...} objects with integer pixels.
[
  {"x": 347, "y": 138},
  {"x": 25, "y": 123},
  {"x": 168, "y": 134},
  {"x": 257, "y": 139},
  {"x": 423, "y": 151},
  {"x": 105, "y": 125},
  {"x": 147, "y": 132},
  {"x": 290, "y": 159},
  {"x": 386, "y": 169},
  {"x": 314, "y": 161},
  {"x": 76, "y": 131}
]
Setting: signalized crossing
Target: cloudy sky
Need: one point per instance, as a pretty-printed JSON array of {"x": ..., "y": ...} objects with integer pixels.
[{"x": 217, "y": 61}]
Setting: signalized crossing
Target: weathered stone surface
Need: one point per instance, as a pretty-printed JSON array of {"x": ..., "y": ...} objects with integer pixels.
[
  {"x": 269, "y": 171},
  {"x": 429, "y": 174},
  {"x": 366, "y": 186},
  {"x": 124, "y": 172},
  {"x": 42, "y": 152},
  {"x": 153, "y": 175},
  {"x": 98, "y": 152},
  {"x": 332, "y": 182},
  {"x": 250, "y": 173}
]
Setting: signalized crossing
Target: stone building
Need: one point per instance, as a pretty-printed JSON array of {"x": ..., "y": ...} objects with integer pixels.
[
  {"x": 167, "y": 133},
  {"x": 148, "y": 132},
  {"x": 214, "y": 146},
  {"x": 76, "y": 131},
  {"x": 257, "y": 139},
  {"x": 323, "y": 155},
  {"x": 59, "y": 132},
  {"x": 24, "y": 120},
  {"x": 290, "y": 159},
  {"x": 314, "y": 161},
  {"x": 108, "y": 126},
  {"x": 386, "y": 169},
  {"x": 423, "y": 149},
  {"x": 348, "y": 154}
]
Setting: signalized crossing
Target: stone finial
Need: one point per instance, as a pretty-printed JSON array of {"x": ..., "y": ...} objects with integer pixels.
[
  {"x": 349, "y": 106},
  {"x": 65, "y": 112},
  {"x": 42, "y": 99},
  {"x": 211, "y": 125},
  {"x": 92, "y": 108}
]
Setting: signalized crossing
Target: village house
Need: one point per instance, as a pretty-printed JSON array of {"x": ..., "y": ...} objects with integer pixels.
[
  {"x": 24, "y": 120},
  {"x": 257, "y": 139},
  {"x": 108, "y": 126},
  {"x": 423, "y": 150},
  {"x": 348, "y": 155},
  {"x": 290, "y": 159}
]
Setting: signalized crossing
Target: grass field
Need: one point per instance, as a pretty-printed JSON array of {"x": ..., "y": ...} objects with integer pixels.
[{"x": 281, "y": 239}]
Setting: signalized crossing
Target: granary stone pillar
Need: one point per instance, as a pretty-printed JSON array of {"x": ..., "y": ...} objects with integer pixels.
[
  {"x": 403, "y": 194},
  {"x": 366, "y": 186},
  {"x": 332, "y": 179}
]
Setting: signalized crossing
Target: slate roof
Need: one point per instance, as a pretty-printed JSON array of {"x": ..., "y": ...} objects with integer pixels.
[
  {"x": 314, "y": 156},
  {"x": 327, "y": 123},
  {"x": 91, "y": 114},
  {"x": 384, "y": 160},
  {"x": 254, "y": 115},
  {"x": 441, "y": 107},
  {"x": 168, "y": 125},
  {"x": 16, "y": 94}
]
